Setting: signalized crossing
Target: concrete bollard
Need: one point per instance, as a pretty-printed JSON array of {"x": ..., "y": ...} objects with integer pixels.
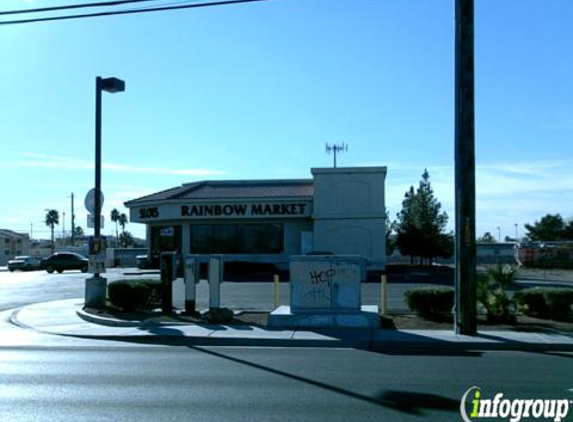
[
  {"x": 167, "y": 264},
  {"x": 277, "y": 290},
  {"x": 215, "y": 280},
  {"x": 191, "y": 277},
  {"x": 383, "y": 295}
]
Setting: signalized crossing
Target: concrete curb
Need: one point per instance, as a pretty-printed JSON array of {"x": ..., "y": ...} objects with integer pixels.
[
  {"x": 108, "y": 322},
  {"x": 66, "y": 318},
  {"x": 369, "y": 342}
]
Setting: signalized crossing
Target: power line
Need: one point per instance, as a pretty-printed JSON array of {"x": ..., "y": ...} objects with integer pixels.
[
  {"x": 72, "y": 6},
  {"x": 125, "y": 12}
]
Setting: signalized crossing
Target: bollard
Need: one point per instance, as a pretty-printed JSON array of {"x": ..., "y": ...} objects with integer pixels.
[
  {"x": 167, "y": 265},
  {"x": 383, "y": 296},
  {"x": 277, "y": 291},
  {"x": 215, "y": 279},
  {"x": 191, "y": 277}
]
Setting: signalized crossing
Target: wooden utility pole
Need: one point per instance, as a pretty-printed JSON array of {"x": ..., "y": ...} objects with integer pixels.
[{"x": 466, "y": 283}]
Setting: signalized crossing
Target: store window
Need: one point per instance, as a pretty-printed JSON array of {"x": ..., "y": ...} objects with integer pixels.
[
  {"x": 237, "y": 238},
  {"x": 164, "y": 239}
]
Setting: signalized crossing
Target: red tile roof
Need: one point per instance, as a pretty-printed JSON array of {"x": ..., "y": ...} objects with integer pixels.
[{"x": 263, "y": 189}]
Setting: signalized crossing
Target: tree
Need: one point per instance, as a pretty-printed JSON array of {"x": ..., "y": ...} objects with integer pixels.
[
  {"x": 114, "y": 216},
  {"x": 52, "y": 219},
  {"x": 122, "y": 220},
  {"x": 550, "y": 228},
  {"x": 78, "y": 231},
  {"x": 421, "y": 224},
  {"x": 486, "y": 238},
  {"x": 568, "y": 230},
  {"x": 391, "y": 227},
  {"x": 125, "y": 239}
]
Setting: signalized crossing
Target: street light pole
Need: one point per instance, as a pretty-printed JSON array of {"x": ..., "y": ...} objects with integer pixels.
[
  {"x": 96, "y": 286},
  {"x": 97, "y": 218},
  {"x": 516, "y": 235}
]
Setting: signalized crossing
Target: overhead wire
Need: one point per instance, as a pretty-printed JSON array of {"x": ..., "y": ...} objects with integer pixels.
[
  {"x": 72, "y": 6},
  {"x": 129, "y": 11}
]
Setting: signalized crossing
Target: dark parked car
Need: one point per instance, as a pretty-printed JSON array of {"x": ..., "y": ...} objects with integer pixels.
[
  {"x": 24, "y": 263},
  {"x": 65, "y": 261}
]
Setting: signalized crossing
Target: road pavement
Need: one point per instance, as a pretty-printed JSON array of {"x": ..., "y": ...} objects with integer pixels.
[
  {"x": 131, "y": 381},
  {"x": 165, "y": 375}
]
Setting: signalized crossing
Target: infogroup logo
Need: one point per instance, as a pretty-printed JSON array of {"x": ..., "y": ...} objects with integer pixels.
[{"x": 514, "y": 409}]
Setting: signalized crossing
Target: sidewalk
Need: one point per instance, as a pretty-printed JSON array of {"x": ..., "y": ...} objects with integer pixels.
[{"x": 66, "y": 317}]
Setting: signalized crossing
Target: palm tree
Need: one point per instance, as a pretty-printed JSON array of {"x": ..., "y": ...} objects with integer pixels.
[
  {"x": 126, "y": 239},
  {"x": 52, "y": 219},
  {"x": 115, "y": 218},
  {"x": 122, "y": 220}
]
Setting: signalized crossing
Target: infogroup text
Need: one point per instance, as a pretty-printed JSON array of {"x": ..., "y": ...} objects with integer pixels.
[{"x": 474, "y": 407}]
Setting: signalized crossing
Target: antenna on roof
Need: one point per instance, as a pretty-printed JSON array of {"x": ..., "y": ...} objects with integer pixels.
[{"x": 336, "y": 148}]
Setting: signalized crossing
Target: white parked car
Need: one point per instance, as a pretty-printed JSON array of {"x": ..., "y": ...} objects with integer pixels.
[{"x": 24, "y": 263}]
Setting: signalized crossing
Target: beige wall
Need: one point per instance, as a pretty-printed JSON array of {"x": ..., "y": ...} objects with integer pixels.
[
  {"x": 349, "y": 207},
  {"x": 13, "y": 244}
]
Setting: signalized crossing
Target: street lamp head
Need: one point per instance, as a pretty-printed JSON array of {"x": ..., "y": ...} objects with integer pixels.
[{"x": 112, "y": 85}]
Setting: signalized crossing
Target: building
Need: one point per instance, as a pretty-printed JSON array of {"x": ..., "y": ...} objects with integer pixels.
[
  {"x": 339, "y": 211},
  {"x": 552, "y": 254},
  {"x": 496, "y": 253},
  {"x": 12, "y": 244}
]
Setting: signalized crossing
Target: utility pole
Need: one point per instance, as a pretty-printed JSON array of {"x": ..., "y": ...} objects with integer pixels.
[
  {"x": 516, "y": 236},
  {"x": 73, "y": 223},
  {"x": 64, "y": 229},
  {"x": 336, "y": 149},
  {"x": 466, "y": 283}
]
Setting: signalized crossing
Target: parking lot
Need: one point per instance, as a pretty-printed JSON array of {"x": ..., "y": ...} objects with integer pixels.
[{"x": 20, "y": 288}]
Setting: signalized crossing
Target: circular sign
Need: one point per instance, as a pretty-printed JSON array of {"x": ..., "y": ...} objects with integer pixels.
[{"x": 90, "y": 201}]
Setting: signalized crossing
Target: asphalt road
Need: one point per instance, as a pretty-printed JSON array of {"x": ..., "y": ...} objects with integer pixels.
[
  {"x": 88, "y": 380},
  {"x": 21, "y": 288},
  {"x": 55, "y": 378}
]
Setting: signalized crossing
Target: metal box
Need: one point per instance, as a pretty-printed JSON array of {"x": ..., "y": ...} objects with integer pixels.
[{"x": 325, "y": 283}]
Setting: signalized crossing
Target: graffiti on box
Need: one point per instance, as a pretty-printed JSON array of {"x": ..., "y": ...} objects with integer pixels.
[{"x": 319, "y": 288}]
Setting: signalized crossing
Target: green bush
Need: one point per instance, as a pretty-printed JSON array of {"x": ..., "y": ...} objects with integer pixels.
[
  {"x": 547, "y": 303},
  {"x": 492, "y": 293},
  {"x": 130, "y": 295},
  {"x": 430, "y": 302}
]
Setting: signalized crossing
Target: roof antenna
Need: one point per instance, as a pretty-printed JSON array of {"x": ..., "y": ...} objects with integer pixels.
[{"x": 336, "y": 148}]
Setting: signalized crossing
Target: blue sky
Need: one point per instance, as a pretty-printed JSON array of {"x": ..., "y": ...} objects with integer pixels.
[{"x": 255, "y": 91}]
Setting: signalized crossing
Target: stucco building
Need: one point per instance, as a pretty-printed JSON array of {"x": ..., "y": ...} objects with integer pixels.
[
  {"x": 339, "y": 211},
  {"x": 12, "y": 244}
]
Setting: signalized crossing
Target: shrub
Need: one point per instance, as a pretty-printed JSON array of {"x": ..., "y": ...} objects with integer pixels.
[
  {"x": 430, "y": 302},
  {"x": 492, "y": 292},
  {"x": 130, "y": 295},
  {"x": 547, "y": 303}
]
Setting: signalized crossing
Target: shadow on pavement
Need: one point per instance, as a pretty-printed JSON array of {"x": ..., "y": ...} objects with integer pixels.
[{"x": 403, "y": 401}]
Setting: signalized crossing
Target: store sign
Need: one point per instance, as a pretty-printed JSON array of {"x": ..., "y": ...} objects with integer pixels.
[
  {"x": 243, "y": 210},
  {"x": 149, "y": 212},
  {"x": 221, "y": 211}
]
